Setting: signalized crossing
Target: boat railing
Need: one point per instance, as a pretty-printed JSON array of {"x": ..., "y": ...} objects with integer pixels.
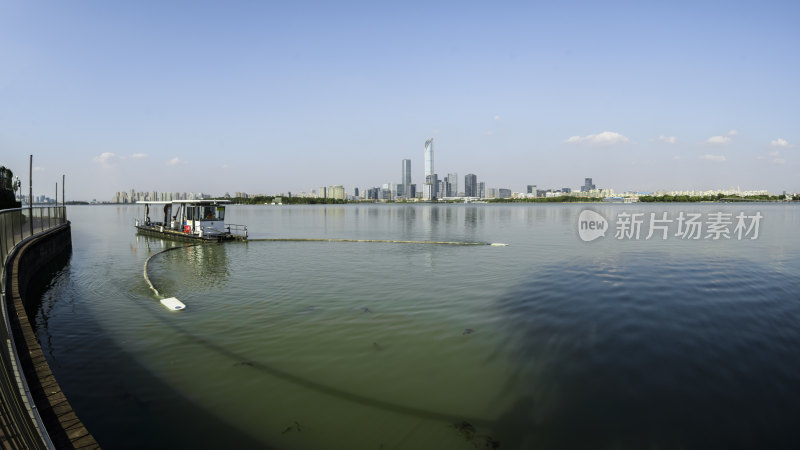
[{"x": 237, "y": 230}]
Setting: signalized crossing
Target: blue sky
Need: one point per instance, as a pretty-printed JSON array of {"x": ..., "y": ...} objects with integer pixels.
[{"x": 267, "y": 97}]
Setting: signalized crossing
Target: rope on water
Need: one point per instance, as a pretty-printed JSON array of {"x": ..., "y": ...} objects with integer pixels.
[
  {"x": 174, "y": 303},
  {"x": 385, "y": 241},
  {"x": 147, "y": 278}
]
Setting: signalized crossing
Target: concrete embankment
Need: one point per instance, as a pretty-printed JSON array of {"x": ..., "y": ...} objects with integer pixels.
[{"x": 61, "y": 423}]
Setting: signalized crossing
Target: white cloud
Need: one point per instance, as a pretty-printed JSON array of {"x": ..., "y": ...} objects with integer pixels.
[
  {"x": 676, "y": 157},
  {"x": 139, "y": 155},
  {"x": 775, "y": 153},
  {"x": 718, "y": 140},
  {"x": 174, "y": 161},
  {"x": 605, "y": 138},
  {"x": 496, "y": 118},
  {"x": 667, "y": 139},
  {"x": 106, "y": 158},
  {"x": 38, "y": 169},
  {"x": 733, "y": 133},
  {"x": 780, "y": 143},
  {"x": 779, "y": 161},
  {"x": 488, "y": 132},
  {"x": 716, "y": 158}
]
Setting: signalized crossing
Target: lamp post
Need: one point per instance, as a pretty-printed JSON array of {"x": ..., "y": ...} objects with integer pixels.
[{"x": 30, "y": 194}]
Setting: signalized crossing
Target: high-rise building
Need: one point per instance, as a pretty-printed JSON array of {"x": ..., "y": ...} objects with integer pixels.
[
  {"x": 452, "y": 185},
  {"x": 336, "y": 192},
  {"x": 386, "y": 192},
  {"x": 587, "y": 185},
  {"x": 531, "y": 189},
  {"x": 471, "y": 185},
  {"x": 431, "y": 180},
  {"x": 429, "y": 157},
  {"x": 405, "y": 179},
  {"x": 431, "y": 184},
  {"x": 481, "y": 189}
]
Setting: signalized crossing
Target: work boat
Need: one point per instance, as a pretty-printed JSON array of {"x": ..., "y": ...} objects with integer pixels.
[{"x": 189, "y": 220}]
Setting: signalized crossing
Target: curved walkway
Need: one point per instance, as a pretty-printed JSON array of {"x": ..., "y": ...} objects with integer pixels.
[{"x": 50, "y": 421}]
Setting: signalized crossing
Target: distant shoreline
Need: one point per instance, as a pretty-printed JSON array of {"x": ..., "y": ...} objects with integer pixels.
[{"x": 482, "y": 202}]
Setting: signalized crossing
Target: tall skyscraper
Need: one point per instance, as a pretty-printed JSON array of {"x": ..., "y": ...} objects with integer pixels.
[
  {"x": 431, "y": 180},
  {"x": 471, "y": 185},
  {"x": 406, "y": 178},
  {"x": 587, "y": 186},
  {"x": 429, "y": 157}
]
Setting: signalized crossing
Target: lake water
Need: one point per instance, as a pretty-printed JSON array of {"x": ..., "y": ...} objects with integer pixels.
[{"x": 548, "y": 343}]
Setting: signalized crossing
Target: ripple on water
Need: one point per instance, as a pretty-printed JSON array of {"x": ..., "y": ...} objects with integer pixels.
[{"x": 672, "y": 352}]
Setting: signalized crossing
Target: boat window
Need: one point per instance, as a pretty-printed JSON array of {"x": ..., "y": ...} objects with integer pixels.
[
  {"x": 208, "y": 213},
  {"x": 189, "y": 213},
  {"x": 220, "y": 213}
]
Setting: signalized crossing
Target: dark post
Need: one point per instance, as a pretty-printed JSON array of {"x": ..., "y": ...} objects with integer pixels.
[
  {"x": 30, "y": 195},
  {"x": 63, "y": 199}
]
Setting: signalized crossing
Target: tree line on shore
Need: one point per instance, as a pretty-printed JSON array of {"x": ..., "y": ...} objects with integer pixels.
[
  {"x": 712, "y": 198},
  {"x": 258, "y": 200},
  {"x": 561, "y": 199},
  {"x": 261, "y": 199}
]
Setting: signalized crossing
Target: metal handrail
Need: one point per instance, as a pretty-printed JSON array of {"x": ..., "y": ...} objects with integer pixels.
[{"x": 17, "y": 225}]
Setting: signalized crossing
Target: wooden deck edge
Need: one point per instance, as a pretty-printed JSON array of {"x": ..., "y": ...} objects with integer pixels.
[{"x": 54, "y": 408}]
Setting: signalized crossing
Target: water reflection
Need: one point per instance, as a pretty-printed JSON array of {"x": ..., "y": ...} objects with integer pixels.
[{"x": 202, "y": 266}]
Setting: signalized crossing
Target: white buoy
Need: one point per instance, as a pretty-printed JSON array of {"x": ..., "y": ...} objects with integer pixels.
[{"x": 173, "y": 303}]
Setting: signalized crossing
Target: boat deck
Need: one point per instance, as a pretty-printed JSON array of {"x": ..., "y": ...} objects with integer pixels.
[{"x": 156, "y": 230}]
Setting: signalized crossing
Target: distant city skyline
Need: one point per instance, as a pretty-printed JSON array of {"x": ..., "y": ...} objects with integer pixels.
[{"x": 267, "y": 97}]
